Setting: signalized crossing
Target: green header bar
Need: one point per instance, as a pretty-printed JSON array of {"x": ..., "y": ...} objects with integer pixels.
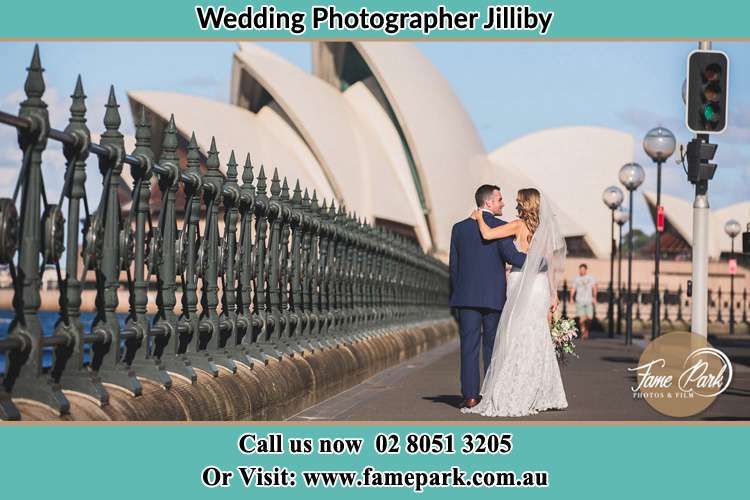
[{"x": 382, "y": 19}]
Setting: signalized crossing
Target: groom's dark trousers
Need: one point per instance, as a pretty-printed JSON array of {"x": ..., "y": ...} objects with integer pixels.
[{"x": 477, "y": 269}]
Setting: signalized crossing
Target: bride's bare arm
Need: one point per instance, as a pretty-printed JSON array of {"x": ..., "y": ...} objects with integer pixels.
[{"x": 494, "y": 233}]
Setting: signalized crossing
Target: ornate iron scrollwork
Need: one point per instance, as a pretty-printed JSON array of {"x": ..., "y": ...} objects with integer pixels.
[
  {"x": 127, "y": 247},
  {"x": 153, "y": 250},
  {"x": 180, "y": 250},
  {"x": 8, "y": 230},
  {"x": 53, "y": 227},
  {"x": 92, "y": 241}
]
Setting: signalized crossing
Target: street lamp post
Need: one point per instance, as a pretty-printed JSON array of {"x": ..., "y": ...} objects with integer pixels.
[
  {"x": 612, "y": 197},
  {"x": 659, "y": 145},
  {"x": 621, "y": 217},
  {"x": 732, "y": 228},
  {"x": 631, "y": 176}
]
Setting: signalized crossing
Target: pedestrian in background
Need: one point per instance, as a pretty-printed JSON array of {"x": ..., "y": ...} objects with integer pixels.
[{"x": 583, "y": 294}]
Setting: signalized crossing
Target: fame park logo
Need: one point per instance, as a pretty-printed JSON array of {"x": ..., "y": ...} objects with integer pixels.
[{"x": 679, "y": 374}]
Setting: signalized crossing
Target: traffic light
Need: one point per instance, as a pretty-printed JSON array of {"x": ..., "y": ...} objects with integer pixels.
[
  {"x": 699, "y": 155},
  {"x": 707, "y": 86}
]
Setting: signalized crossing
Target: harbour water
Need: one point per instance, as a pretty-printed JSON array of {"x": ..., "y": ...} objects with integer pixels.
[{"x": 48, "y": 320}]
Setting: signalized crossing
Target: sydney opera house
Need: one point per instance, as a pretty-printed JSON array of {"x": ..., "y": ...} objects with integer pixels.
[{"x": 378, "y": 128}]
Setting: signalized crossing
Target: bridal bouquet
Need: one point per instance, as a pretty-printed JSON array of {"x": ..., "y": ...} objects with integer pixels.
[{"x": 563, "y": 332}]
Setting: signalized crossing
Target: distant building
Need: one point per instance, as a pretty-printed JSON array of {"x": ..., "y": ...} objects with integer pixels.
[
  {"x": 677, "y": 238},
  {"x": 572, "y": 166}
]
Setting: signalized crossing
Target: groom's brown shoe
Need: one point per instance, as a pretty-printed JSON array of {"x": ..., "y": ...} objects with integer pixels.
[{"x": 470, "y": 403}]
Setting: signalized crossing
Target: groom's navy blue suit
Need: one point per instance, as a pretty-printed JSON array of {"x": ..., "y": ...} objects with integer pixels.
[{"x": 478, "y": 285}]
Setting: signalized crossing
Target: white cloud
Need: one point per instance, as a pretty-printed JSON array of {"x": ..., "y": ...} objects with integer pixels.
[{"x": 8, "y": 176}]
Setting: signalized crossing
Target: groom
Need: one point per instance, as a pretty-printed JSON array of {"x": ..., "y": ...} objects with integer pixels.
[{"x": 477, "y": 269}]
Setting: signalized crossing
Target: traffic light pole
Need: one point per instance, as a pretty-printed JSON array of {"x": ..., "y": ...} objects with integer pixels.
[
  {"x": 699, "y": 307},
  {"x": 700, "y": 171}
]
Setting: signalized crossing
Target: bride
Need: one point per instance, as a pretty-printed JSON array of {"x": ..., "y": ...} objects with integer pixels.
[{"x": 523, "y": 377}]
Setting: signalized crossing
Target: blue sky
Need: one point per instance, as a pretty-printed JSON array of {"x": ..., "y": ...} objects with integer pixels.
[{"x": 509, "y": 89}]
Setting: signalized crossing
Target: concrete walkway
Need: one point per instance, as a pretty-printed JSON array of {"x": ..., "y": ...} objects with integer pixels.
[{"x": 597, "y": 385}]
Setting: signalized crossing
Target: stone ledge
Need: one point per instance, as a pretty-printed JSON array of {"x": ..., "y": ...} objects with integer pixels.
[{"x": 274, "y": 391}]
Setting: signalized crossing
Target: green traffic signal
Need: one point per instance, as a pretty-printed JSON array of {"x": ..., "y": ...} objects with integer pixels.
[
  {"x": 706, "y": 103},
  {"x": 710, "y": 114}
]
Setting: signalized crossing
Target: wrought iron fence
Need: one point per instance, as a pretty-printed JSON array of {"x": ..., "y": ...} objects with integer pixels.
[
  {"x": 286, "y": 274},
  {"x": 675, "y": 308}
]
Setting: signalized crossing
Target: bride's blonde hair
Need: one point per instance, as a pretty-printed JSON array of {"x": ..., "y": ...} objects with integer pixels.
[{"x": 528, "y": 209}]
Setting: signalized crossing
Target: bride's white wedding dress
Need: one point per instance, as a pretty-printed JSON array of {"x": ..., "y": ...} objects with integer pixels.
[{"x": 523, "y": 377}]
